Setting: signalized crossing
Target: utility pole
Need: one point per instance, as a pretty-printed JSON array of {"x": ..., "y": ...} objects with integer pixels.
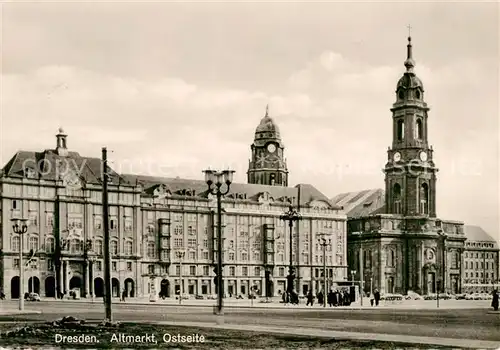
[
  {"x": 361, "y": 289},
  {"x": 107, "y": 253}
]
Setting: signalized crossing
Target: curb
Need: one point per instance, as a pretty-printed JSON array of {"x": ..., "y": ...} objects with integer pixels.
[
  {"x": 18, "y": 312},
  {"x": 340, "y": 335}
]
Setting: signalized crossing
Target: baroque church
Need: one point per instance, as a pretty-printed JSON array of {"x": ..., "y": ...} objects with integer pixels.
[{"x": 396, "y": 242}]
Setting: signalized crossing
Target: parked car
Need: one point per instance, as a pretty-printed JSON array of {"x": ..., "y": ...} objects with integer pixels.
[
  {"x": 199, "y": 297},
  {"x": 32, "y": 297},
  {"x": 391, "y": 297},
  {"x": 460, "y": 296},
  {"x": 413, "y": 296}
]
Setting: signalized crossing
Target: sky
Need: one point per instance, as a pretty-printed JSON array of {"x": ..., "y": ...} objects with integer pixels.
[{"x": 174, "y": 88}]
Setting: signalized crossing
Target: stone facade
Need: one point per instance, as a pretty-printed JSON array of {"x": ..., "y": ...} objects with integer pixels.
[{"x": 152, "y": 221}]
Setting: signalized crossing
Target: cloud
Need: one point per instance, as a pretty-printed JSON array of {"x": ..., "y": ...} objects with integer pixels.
[{"x": 333, "y": 114}]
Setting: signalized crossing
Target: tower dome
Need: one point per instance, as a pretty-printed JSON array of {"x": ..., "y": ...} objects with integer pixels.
[
  {"x": 267, "y": 128},
  {"x": 409, "y": 80}
]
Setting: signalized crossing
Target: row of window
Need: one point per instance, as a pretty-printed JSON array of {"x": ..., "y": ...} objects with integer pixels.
[
  {"x": 470, "y": 265},
  {"x": 479, "y": 255},
  {"x": 478, "y": 275}
]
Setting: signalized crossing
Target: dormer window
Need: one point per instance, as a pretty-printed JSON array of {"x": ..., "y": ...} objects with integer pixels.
[
  {"x": 29, "y": 173},
  {"x": 417, "y": 94},
  {"x": 401, "y": 95}
]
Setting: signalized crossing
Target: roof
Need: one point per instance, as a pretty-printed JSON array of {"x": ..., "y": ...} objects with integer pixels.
[
  {"x": 361, "y": 203},
  {"x": 48, "y": 165},
  {"x": 476, "y": 233},
  {"x": 308, "y": 192}
]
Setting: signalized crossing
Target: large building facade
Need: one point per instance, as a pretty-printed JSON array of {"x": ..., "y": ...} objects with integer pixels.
[
  {"x": 159, "y": 226},
  {"x": 397, "y": 243}
]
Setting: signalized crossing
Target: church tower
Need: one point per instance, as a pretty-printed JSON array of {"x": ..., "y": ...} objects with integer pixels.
[
  {"x": 267, "y": 165},
  {"x": 410, "y": 173}
]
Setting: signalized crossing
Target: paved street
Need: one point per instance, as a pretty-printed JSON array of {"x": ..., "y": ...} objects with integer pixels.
[{"x": 478, "y": 324}]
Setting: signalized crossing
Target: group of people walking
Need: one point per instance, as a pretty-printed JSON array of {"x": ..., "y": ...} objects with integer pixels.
[{"x": 333, "y": 298}]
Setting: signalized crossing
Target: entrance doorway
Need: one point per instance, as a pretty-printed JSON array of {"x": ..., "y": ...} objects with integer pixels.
[
  {"x": 99, "y": 287},
  {"x": 129, "y": 288},
  {"x": 115, "y": 288},
  {"x": 164, "y": 288},
  {"x": 431, "y": 282},
  {"x": 14, "y": 287},
  {"x": 50, "y": 287},
  {"x": 34, "y": 285},
  {"x": 76, "y": 283},
  {"x": 390, "y": 285}
]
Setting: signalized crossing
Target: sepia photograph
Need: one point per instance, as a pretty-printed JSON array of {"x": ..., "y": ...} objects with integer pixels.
[{"x": 249, "y": 174}]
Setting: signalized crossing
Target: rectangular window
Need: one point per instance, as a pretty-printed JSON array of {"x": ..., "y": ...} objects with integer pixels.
[
  {"x": 177, "y": 270},
  {"x": 50, "y": 264},
  {"x": 206, "y": 271},
  {"x": 151, "y": 269},
  {"x": 232, "y": 271},
  {"x": 16, "y": 263},
  {"x": 244, "y": 271},
  {"x": 128, "y": 225},
  {"x": 114, "y": 266},
  {"x": 98, "y": 265},
  {"x": 205, "y": 255},
  {"x": 192, "y": 255},
  {"x": 256, "y": 271},
  {"x": 231, "y": 256},
  {"x": 129, "y": 266}
]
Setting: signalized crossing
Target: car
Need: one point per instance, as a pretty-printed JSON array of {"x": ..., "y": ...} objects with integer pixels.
[
  {"x": 460, "y": 296},
  {"x": 33, "y": 297}
]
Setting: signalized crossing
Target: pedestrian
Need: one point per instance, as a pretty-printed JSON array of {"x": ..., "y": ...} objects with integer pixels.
[
  {"x": 376, "y": 295},
  {"x": 124, "y": 294},
  {"x": 335, "y": 298},
  {"x": 310, "y": 299},
  {"x": 330, "y": 298},
  {"x": 372, "y": 301},
  {"x": 494, "y": 302}
]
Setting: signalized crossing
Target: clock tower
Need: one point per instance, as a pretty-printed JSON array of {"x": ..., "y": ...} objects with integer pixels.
[
  {"x": 410, "y": 173},
  {"x": 267, "y": 165}
]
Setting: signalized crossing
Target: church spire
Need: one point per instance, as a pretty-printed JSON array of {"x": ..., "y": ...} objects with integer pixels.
[
  {"x": 409, "y": 63},
  {"x": 267, "y": 110}
]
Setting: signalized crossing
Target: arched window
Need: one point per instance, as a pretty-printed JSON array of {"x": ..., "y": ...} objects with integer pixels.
[
  {"x": 419, "y": 129},
  {"x": 417, "y": 94},
  {"x": 151, "y": 250},
  {"x": 33, "y": 244},
  {"x": 114, "y": 247},
  {"x": 98, "y": 247},
  {"x": 128, "y": 248},
  {"x": 400, "y": 129},
  {"x": 273, "y": 179},
  {"x": 401, "y": 94},
  {"x": 15, "y": 243},
  {"x": 396, "y": 193},
  {"x": 391, "y": 258},
  {"x": 49, "y": 245},
  {"x": 424, "y": 199}
]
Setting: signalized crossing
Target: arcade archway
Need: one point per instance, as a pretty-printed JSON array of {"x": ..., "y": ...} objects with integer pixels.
[
  {"x": 98, "y": 287},
  {"x": 14, "y": 287},
  {"x": 129, "y": 288},
  {"x": 50, "y": 287},
  {"x": 34, "y": 285}
]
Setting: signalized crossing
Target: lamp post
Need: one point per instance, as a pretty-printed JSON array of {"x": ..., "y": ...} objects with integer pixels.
[
  {"x": 215, "y": 180},
  {"x": 324, "y": 244},
  {"x": 291, "y": 216},
  {"x": 180, "y": 255},
  {"x": 20, "y": 227}
]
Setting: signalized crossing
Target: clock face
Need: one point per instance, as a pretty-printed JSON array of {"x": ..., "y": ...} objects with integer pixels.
[
  {"x": 423, "y": 156},
  {"x": 271, "y": 148},
  {"x": 397, "y": 157}
]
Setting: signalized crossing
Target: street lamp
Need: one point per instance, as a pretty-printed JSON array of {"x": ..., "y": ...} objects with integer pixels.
[
  {"x": 353, "y": 273},
  {"x": 180, "y": 255},
  {"x": 20, "y": 227},
  {"x": 291, "y": 216},
  {"x": 324, "y": 244},
  {"x": 215, "y": 180}
]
